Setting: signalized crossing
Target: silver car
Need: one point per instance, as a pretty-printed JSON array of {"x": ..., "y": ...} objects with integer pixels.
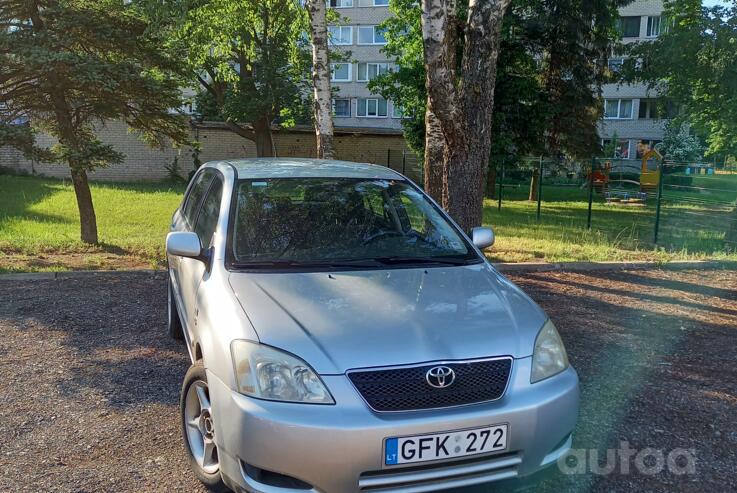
[{"x": 347, "y": 336}]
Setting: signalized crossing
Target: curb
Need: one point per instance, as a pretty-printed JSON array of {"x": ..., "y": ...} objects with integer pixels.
[
  {"x": 609, "y": 266},
  {"x": 518, "y": 267},
  {"x": 72, "y": 274}
]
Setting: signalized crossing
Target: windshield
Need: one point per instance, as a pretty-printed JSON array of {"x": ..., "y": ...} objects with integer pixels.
[{"x": 331, "y": 221}]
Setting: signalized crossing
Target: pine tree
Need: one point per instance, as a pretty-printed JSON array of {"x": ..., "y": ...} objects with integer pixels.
[{"x": 67, "y": 66}]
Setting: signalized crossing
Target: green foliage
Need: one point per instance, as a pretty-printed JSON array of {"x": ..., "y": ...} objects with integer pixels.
[
  {"x": 694, "y": 64},
  {"x": 249, "y": 56},
  {"x": 405, "y": 86},
  {"x": 22, "y": 136},
  {"x": 679, "y": 144},
  {"x": 610, "y": 149},
  {"x": 549, "y": 74},
  {"x": 174, "y": 171},
  {"x": 67, "y": 66}
]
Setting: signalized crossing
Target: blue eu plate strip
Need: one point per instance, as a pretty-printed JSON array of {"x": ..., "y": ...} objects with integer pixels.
[{"x": 391, "y": 451}]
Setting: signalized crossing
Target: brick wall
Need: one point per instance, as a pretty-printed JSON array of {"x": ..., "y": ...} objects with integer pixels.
[{"x": 143, "y": 163}]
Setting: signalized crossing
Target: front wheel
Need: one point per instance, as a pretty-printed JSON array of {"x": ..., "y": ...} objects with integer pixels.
[{"x": 198, "y": 429}]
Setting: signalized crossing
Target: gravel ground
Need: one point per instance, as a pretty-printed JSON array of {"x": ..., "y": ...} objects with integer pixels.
[{"x": 89, "y": 382}]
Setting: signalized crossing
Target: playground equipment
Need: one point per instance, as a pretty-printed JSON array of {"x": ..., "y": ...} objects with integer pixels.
[
  {"x": 600, "y": 177},
  {"x": 636, "y": 199},
  {"x": 699, "y": 169},
  {"x": 649, "y": 179}
]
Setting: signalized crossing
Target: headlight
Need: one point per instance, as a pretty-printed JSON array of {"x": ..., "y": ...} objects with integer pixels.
[
  {"x": 267, "y": 373},
  {"x": 549, "y": 357}
]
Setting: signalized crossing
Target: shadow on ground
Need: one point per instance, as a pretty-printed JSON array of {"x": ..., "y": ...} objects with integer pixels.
[{"x": 90, "y": 373}]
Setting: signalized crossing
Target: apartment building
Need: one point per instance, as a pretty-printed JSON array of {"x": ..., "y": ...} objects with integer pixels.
[
  {"x": 630, "y": 110},
  {"x": 360, "y": 40}
]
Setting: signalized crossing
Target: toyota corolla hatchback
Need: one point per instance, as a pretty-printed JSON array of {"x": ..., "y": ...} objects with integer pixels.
[{"x": 346, "y": 335}]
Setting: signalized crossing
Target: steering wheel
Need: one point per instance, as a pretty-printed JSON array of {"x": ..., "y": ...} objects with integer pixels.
[{"x": 381, "y": 234}]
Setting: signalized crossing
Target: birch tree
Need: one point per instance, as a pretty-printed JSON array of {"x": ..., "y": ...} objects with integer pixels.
[
  {"x": 317, "y": 10},
  {"x": 433, "y": 175},
  {"x": 462, "y": 98}
]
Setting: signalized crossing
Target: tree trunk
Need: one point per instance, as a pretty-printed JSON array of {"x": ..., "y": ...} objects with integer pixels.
[
  {"x": 534, "y": 185},
  {"x": 434, "y": 149},
  {"x": 68, "y": 138},
  {"x": 463, "y": 107},
  {"x": 263, "y": 138},
  {"x": 87, "y": 218},
  {"x": 323, "y": 110}
]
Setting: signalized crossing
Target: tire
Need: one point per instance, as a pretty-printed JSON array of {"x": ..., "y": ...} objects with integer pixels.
[
  {"x": 174, "y": 323},
  {"x": 198, "y": 439}
]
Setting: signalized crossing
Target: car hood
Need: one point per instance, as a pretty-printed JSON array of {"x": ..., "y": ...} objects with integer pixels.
[{"x": 343, "y": 320}]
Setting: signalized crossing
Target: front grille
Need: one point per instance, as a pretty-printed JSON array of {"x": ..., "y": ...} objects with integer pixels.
[{"x": 406, "y": 389}]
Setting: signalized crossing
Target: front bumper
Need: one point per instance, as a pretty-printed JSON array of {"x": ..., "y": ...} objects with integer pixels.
[{"x": 339, "y": 448}]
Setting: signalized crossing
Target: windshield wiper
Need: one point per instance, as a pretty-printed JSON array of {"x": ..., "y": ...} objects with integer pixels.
[
  {"x": 291, "y": 264},
  {"x": 397, "y": 260}
]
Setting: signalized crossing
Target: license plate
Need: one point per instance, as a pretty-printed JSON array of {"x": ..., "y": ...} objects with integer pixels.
[{"x": 447, "y": 445}]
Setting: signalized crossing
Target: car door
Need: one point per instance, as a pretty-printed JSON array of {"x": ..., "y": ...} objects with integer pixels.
[
  {"x": 192, "y": 270},
  {"x": 184, "y": 220}
]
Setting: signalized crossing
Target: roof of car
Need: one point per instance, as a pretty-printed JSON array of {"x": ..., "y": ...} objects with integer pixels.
[{"x": 308, "y": 168}]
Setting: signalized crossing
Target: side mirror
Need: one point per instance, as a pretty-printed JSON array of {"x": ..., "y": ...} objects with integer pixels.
[
  {"x": 184, "y": 244},
  {"x": 482, "y": 237}
]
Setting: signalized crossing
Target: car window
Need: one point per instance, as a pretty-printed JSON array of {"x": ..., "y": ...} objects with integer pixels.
[
  {"x": 195, "y": 194},
  {"x": 321, "y": 219},
  {"x": 207, "y": 220}
]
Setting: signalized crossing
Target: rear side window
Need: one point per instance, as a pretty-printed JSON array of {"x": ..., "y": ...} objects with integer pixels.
[
  {"x": 194, "y": 197},
  {"x": 207, "y": 220}
]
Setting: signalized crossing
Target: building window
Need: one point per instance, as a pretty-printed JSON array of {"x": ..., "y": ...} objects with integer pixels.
[
  {"x": 653, "y": 26},
  {"x": 340, "y": 4},
  {"x": 340, "y": 72},
  {"x": 653, "y": 109},
  {"x": 644, "y": 146},
  {"x": 615, "y": 65},
  {"x": 621, "y": 150},
  {"x": 648, "y": 109},
  {"x": 373, "y": 3},
  {"x": 617, "y": 109},
  {"x": 371, "y": 108},
  {"x": 341, "y": 35},
  {"x": 371, "y": 35},
  {"x": 342, "y": 107},
  {"x": 629, "y": 26},
  {"x": 397, "y": 111},
  {"x": 368, "y": 71}
]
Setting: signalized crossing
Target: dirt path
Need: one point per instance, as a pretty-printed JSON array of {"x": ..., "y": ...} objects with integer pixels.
[{"x": 89, "y": 382}]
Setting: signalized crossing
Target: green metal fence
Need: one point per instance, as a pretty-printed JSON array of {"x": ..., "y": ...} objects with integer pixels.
[
  {"x": 696, "y": 208},
  {"x": 677, "y": 206}
]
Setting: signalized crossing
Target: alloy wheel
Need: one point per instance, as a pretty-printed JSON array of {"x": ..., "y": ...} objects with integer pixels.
[{"x": 200, "y": 427}]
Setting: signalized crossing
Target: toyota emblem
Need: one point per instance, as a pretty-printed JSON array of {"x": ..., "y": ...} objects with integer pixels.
[{"x": 440, "y": 377}]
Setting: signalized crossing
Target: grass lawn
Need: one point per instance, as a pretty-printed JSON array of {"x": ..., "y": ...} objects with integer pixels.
[
  {"x": 696, "y": 223},
  {"x": 39, "y": 225}
]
